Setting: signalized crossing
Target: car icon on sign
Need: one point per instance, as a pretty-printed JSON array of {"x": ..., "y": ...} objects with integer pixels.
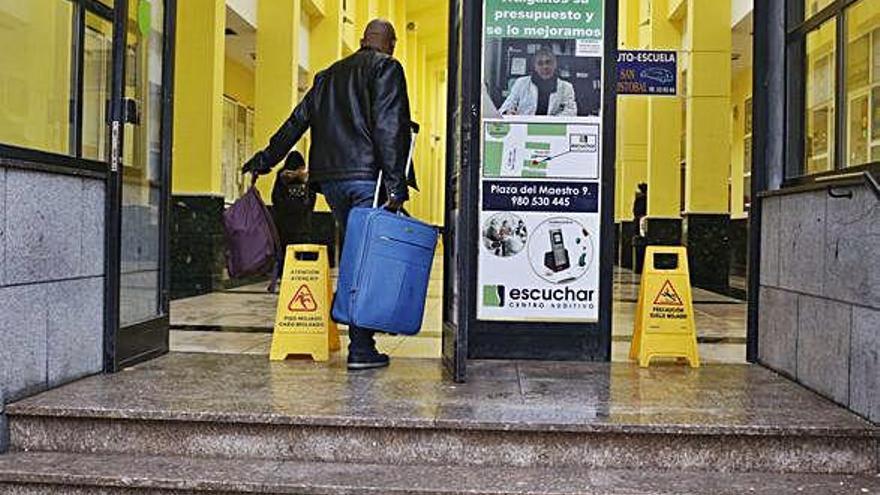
[{"x": 662, "y": 76}]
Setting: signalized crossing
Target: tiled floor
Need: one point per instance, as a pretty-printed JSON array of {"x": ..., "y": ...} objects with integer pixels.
[{"x": 239, "y": 321}]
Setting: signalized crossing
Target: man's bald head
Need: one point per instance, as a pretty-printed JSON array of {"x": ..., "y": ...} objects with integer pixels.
[{"x": 380, "y": 35}]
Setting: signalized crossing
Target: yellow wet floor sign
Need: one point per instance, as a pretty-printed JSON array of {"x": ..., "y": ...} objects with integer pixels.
[
  {"x": 664, "y": 324},
  {"x": 302, "y": 322}
]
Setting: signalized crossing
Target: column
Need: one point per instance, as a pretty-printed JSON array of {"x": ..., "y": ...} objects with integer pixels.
[
  {"x": 277, "y": 72},
  {"x": 632, "y": 140},
  {"x": 664, "y": 137},
  {"x": 367, "y": 10},
  {"x": 326, "y": 40},
  {"x": 707, "y": 214},
  {"x": 198, "y": 87},
  {"x": 632, "y": 115},
  {"x": 197, "y": 184},
  {"x": 325, "y": 49},
  {"x": 401, "y": 27}
]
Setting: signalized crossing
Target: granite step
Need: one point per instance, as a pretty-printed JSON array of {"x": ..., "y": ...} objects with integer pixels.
[
  {"x": 440, "y": 443},
  {"x": 510, "y": 414},
  {"x": 75, "y": 474}
]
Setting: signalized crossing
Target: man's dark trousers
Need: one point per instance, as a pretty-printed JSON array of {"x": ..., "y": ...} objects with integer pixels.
[{"x": 342, "y": 196}]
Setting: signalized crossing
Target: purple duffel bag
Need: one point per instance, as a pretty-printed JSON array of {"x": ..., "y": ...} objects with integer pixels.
[{"x": 251, "y": 237}]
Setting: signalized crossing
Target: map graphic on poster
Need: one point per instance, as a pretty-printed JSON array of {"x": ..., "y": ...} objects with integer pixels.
[{"x": 541, "y": 150}]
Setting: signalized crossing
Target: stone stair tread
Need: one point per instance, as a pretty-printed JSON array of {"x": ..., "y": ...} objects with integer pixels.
[
  {"x": 536, "y": 423},
  {"x": 412, "y": 393},
  {"x": 161, "y": 473},
  {"x": 529, "y": 421}
]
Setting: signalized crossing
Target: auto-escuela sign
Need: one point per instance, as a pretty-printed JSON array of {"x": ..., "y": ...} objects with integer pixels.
[{"x": 647, "y": 72}]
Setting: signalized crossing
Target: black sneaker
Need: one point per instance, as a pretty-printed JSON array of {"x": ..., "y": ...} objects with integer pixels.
[{"x": 367, "y": 362}]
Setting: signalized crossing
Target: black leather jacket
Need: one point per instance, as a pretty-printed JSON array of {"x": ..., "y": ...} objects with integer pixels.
[{"x": 358, "y": 111}]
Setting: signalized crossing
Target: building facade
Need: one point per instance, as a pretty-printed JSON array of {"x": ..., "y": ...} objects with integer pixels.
[{"x": 123, "y": 125}]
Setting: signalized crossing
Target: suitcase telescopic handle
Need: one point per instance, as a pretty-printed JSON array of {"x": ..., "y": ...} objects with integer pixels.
[{"x": 412, "y": 150}]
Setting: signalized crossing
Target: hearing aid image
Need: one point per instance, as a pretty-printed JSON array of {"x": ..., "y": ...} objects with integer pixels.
[
  {"x": 561, "y": 250},
  {"x": 557, "y": 258}
]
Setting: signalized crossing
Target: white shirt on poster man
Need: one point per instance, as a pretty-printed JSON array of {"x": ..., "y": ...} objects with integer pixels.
[{"x": 523, "y": 99}]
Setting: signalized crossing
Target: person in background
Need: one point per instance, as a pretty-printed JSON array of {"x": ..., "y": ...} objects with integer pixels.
[
  {"x": 359, "y": 117},
  {"x": 543, "y": 92},
  {"x": 292, "y": 205},
  {"x": 640, "y": 217},
  {"x": 640, "y": 204}
]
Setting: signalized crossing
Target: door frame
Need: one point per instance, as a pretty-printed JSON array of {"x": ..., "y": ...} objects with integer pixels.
[
  {"x": 454, "y": 345},
  {"x": 126, "y": 346}
]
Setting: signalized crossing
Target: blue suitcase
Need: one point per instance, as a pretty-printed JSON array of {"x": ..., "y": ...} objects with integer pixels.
[{"x": 384, "y": 271}]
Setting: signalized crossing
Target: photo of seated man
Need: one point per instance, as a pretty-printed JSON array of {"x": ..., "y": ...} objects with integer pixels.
[{"x": 532, "y": 78}]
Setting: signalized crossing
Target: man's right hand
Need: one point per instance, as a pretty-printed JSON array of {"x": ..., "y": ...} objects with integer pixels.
[{"x": 393, "y": 205}]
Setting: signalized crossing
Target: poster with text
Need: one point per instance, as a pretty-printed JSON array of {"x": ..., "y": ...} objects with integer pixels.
[
  {"x": 541, "y": 161},
  {"x": 539, "y": 251},
  {"x": 542, "y": 59}
]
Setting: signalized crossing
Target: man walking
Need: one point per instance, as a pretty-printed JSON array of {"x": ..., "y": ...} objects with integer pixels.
[{"x": 358, "y": 111}]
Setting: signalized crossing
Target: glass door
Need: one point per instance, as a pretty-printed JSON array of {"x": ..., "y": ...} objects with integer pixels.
[{"x": 140, "y": 165}]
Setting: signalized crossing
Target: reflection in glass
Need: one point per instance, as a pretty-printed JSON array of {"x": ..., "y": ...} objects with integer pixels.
[
  {"x": 142, "y": 167},
  {"x": 231, "y": 170},
  {"x": 820, "y": 79},
  {"x": 238, "y": 132},
  {"x": 35, "y": 65},
  {"x": 813, "y": 7},
  {"x": 97, "y": 67},
  {"x": 875, "y": 55},
  {"x": 747, "y": 192},
  {"x": 858, "y": 131},
  {"x": 875, "y": 114},
  {"x": 863, "y": 82},
  {"x": 858, "y": 63}
]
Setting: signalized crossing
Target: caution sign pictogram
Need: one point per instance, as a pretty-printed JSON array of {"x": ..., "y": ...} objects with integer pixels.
[
  {"x": 664, "y": 324},
  {"x": 668, "y": 296},
  {"x": 302, "y": 322},
  {"x": 303, "y": 301}
]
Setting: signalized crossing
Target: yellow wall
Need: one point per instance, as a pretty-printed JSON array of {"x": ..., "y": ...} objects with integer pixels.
[
  {"x": 632, "y": 114},
  {"x": 708, "y": 106},
  {"x": 664, "y": 121},
  {"x": 198, "y": 102},
  {"x": 632, "y": 152},
  {"x": 277, "y": 72},
  {"x": 649, "y": 127},
  {"x": 239, "y": 83}
]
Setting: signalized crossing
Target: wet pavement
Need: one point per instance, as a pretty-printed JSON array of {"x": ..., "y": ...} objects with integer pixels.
[{"x": 240, "y": 321}]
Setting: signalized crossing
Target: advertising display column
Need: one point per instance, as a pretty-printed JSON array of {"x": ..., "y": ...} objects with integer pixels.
[
  {"x": 541, "y": 168},
  {"x": 542, "y": 285}
]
